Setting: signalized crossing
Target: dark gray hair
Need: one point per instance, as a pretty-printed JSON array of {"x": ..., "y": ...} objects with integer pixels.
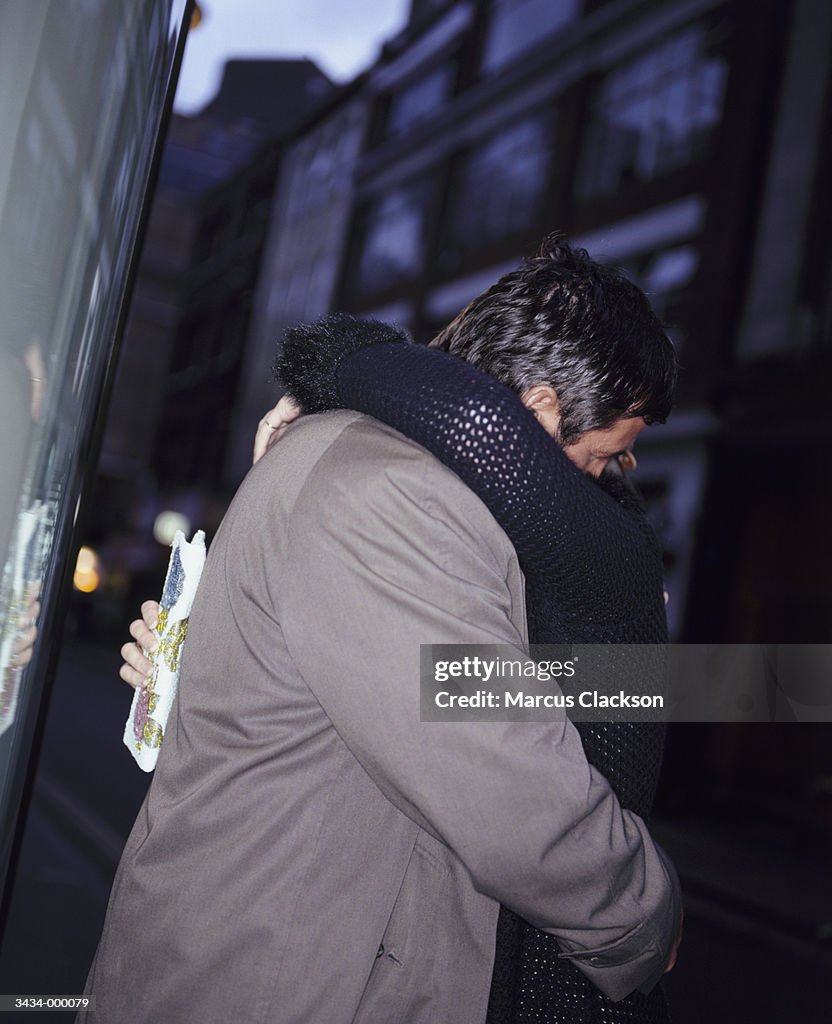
[{"x": 581, "y": 327}]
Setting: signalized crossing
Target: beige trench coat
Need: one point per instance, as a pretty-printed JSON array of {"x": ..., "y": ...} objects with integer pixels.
[{"x": 309, "y": 851}]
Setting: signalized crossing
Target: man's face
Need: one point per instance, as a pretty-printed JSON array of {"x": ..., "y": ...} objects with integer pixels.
[{"x": 594, "y": 449}]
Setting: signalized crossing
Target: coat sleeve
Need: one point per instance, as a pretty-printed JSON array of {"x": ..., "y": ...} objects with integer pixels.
[
  {"x": 387, "y": 556},
  {"x": 557, "y": 518}
]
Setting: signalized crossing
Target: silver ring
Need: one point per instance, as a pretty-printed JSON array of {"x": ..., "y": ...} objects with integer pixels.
[{"x": 271, "y": 426}]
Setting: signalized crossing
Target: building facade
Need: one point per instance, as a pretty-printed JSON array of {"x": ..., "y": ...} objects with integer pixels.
[
  {"x": 636, "y": 128},
  {"x": 688, "y": 143},
  {"x": 177, "y": 385},
  {"x": 679, "y": 140},
  {"x": 307, "y": 238}
]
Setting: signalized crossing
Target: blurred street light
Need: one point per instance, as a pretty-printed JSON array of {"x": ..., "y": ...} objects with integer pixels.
[
  {"x": 166, "y": 525},
  {"x": 87, "y": 573}
]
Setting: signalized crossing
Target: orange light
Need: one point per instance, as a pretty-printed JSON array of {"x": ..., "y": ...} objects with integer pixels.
[
  {"x": 87, "y": 571},
  {"x": 86, "y": 582}
]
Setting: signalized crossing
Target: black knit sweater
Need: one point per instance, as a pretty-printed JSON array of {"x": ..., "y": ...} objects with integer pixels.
[{"x": 593, "y": 576}]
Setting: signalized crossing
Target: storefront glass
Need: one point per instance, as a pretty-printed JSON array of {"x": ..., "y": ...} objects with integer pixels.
[{"x": 84, "y": 87}]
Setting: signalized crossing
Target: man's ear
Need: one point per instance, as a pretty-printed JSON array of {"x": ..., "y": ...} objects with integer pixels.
[{"x": 542, "y": 400}]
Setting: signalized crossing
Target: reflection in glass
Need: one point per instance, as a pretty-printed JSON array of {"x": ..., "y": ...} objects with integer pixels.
[
  {"x": 394, "y": 238},
  {"x": 420, "y": 100},
  {"x": 501, "y": 184},
  {"x": 666, "y": 276},
  {"x": 655, "y": 113},
  {"x": 670, "y": 270},
  {"x": 517, "y": 25},
  {"x": 82, "y": 92}
]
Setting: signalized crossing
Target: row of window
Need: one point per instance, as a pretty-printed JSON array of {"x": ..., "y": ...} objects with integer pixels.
[
  {"x": 649, "y": 116},
  {"x": 518, "y": 25},
  {"x": 655, "y": 113},
  {"x": 514, "y": 26},
  {"x": 500, "y": 187}
]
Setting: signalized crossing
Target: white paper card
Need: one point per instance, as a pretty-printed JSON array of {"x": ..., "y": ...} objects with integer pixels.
[{"x": 148, "y": 719}]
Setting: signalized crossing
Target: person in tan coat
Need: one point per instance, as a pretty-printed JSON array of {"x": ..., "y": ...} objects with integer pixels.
[{"x": 310, "y": 851}]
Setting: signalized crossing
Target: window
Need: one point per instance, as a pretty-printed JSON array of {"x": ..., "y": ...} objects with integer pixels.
[
  {"x": 665, "y": 276},
  {"x": 416, "y": 102},
  {"x": 394, "y": 239},
  {"x": 501, "y": 185},
  {"x": 670, "y": 270},
  {"x": 322, "y": 166},
  {"x": 85, "y": 90},
  {"x": 517, "y": 25},
  {"x": 655, "y": 113},
  {"x": 313, "y": 180}
]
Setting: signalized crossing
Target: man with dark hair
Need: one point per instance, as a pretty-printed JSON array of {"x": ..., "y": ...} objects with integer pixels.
[
  {"x": 309, "y": 850},
  {"x": 566, "y": 320}
]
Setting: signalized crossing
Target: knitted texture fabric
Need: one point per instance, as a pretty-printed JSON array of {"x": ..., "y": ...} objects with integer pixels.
[{"x": 593, "y": 576}]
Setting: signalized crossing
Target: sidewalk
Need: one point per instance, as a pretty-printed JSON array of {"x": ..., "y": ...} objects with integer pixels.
[
  {"x": 757, "y": 946},
  {"x": 87, "y": 793},
  {"x": 774, "y": 887}
]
